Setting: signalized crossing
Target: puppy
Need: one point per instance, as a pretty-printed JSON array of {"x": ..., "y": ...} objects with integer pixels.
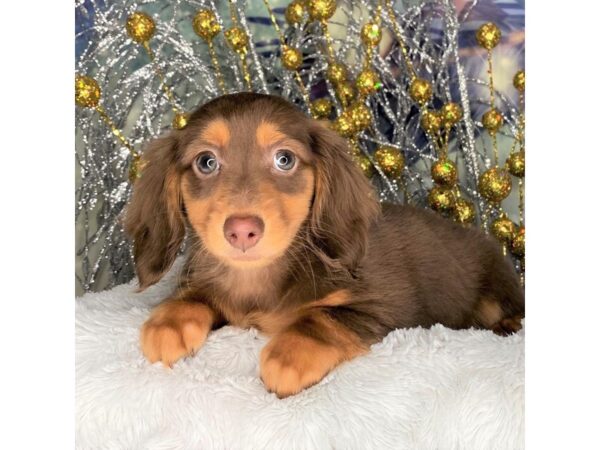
[{"x": 285, "y": 234}]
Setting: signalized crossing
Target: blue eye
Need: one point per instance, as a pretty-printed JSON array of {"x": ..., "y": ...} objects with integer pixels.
[
  {"x": 207, "y": 162},
  {"x": 284, "y": 160}
]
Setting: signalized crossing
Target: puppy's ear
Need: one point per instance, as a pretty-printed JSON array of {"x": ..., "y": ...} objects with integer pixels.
[
  {"x": 344, "y": 205},
  {"x": 154, "y": 217}
]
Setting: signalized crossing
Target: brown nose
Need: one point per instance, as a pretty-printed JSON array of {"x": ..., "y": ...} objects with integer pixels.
[{"x": 243, "y": 232}]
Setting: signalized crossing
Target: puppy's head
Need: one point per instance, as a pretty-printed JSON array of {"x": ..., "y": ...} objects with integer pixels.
[{"x": 247, "y": 174}]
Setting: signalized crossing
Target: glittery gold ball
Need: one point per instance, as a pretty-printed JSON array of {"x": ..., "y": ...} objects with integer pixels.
[
  {"x": 294, "y": 13},
  {"x": 464, "y": 211},
  {"x": 451, "y": 114},
  {"x": 390, "y": 160},
  {"x": 518, "y": 244},
  {"x": 87, "y": 91},
  {"x": 444, "y": 173},
  {"x": 180, "y": 121},
  {"x": 488, "y": 35},
  {"x": 345, "y": 92},
  {"x": 140, "y": 27},
  {"x": 360, "y": 115},
  {"x": 321, "y": 9},
  {"x": 365, "y": 165},
  {"x": 492, "y": 121},
  {"x": 431, "y": 121},
  {"x": 344, "y": 125},
  {"x": 370, "y": 34},
  {"x": 237, "y": 39},
  {"x": 420, "y": 91},
  {"x": 516, "y": 164},
  {"x": 337, "y": 73},
  {"x": 519, "y": 81},
  {"x": 205, "y": 24},
  {"x": 291, "y": 58},
  {"x": 368, "y": 82},
  {"x": 321, "y": 108},
  {"x": 495, "y": 184},
  {"x": 442, "y": 198},
  {"x": 504, "y": 229}
]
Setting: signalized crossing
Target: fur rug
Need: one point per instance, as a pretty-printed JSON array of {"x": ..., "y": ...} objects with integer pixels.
[{"x": 418, "y": 389}]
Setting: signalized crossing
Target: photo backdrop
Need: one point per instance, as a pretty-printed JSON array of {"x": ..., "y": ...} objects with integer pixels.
[{"x": 406, "y": 82}]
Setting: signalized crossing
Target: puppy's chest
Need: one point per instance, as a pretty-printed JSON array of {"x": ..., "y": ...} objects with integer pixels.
[{"x": 251, "y": 303}]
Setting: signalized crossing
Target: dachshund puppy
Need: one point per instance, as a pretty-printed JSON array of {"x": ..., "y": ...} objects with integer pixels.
[{"x": 285, "y": 234}]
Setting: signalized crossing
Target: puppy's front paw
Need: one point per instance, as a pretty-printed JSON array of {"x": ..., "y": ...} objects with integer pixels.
[
  {"x": 174, "y": 330},
  {"x": 292, "y": 362}
]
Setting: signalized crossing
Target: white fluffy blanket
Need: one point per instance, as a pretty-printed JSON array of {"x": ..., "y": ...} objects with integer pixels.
[{"x": 418, "y": 389}]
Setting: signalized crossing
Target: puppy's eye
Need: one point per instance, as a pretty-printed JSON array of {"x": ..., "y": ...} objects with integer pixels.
[
  {"x": 207, "y": 163},
  {"x": 284, "y": 160}
]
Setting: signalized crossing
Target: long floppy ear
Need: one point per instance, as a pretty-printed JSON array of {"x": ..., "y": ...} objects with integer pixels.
[
  {"x": 344, "y": 205},
  {"x": 154, "y": 217}
]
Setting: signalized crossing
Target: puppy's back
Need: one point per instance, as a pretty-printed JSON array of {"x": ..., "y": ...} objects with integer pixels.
[{"x": 440, "y": 272}]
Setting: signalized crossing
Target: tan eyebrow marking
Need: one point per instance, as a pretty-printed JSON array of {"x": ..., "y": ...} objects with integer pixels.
[
  {"x": 218, "y": 132},
  {"x": 267, "y": 134}
]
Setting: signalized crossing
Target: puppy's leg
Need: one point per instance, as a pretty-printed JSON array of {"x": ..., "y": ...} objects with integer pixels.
[
  {"x": 303, "y": 353},
  {"x": 489, "y": 314},
  {"x": 176, "y": 328}
]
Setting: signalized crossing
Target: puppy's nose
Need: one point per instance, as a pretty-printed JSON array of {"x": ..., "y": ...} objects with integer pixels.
[{"x": 243, "y": 232}]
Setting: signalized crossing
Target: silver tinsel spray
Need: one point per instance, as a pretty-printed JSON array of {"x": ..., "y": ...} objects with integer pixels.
[{"x": 133, "y": 97}]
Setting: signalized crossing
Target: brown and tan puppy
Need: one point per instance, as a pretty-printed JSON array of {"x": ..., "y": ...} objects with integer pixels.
[{"x": 286, "y": 235}]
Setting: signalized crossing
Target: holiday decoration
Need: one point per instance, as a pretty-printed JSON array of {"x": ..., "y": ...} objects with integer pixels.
[{"x": 391, "y": 80}]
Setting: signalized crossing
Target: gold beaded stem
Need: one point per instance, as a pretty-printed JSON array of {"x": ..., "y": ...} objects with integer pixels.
[
  {"x": 522, "y": 120},
  {"x": 161, "y": 77},
  {"x": 242, "y": 53},
  {"x": 396, "y": 29},
  {"x": 328, "y": 40},
  {"x": 100, "y": 110},
  {"x": 492, "y": 103},
  {"x": 299, "y": 81},
  {"x": 216, "y": 66}
]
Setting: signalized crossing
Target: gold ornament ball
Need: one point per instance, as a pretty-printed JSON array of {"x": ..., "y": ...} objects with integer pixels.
[
  {"x": 519, "y": 81},
  {"x": 291, "y": 58},
  {"x": 360, "y": 115},
  {"x": 390, "y": 160},
  {"x": 140, "y": 27},
  {"x": 488, "y": 35},
  {"x": 87, "y": 91},
  {"x": 337, "y": 73},
  {"x": 516, "y": 164},
  {"x": 365, "y": 164},
  {"x": 294, "y": 13},
  {"x": 237, "y": 39},
  {"x": 492, "y": 121},
  {"x": 495, "y": 184},
  {"x": 518, "y": 244},
  {"x": 431, "y": 121},
  {"x": 345, "y": 92},
  {"x": 444, "y": 173},
  {"x": 420, "y": 91},
  {"x": 368, "y": 82},
  {"x": 321, "y": 10},
  {"x": 451, "y": 114},
  {"x": 180, "y": 121},
  {"x": 321, "y": 108},
  {"x": 344, "y": 125},
  {"x": 370, "y": 34},
  {"x": 504, "y": 229},
  {"x": 441, "y": 198},
  {"x": 205, "y": 24},
  {"x": 464, "y": 211}
]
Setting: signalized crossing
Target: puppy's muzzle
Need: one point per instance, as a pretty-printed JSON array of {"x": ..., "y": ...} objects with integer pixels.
[{"x": 243, "y": 232}]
